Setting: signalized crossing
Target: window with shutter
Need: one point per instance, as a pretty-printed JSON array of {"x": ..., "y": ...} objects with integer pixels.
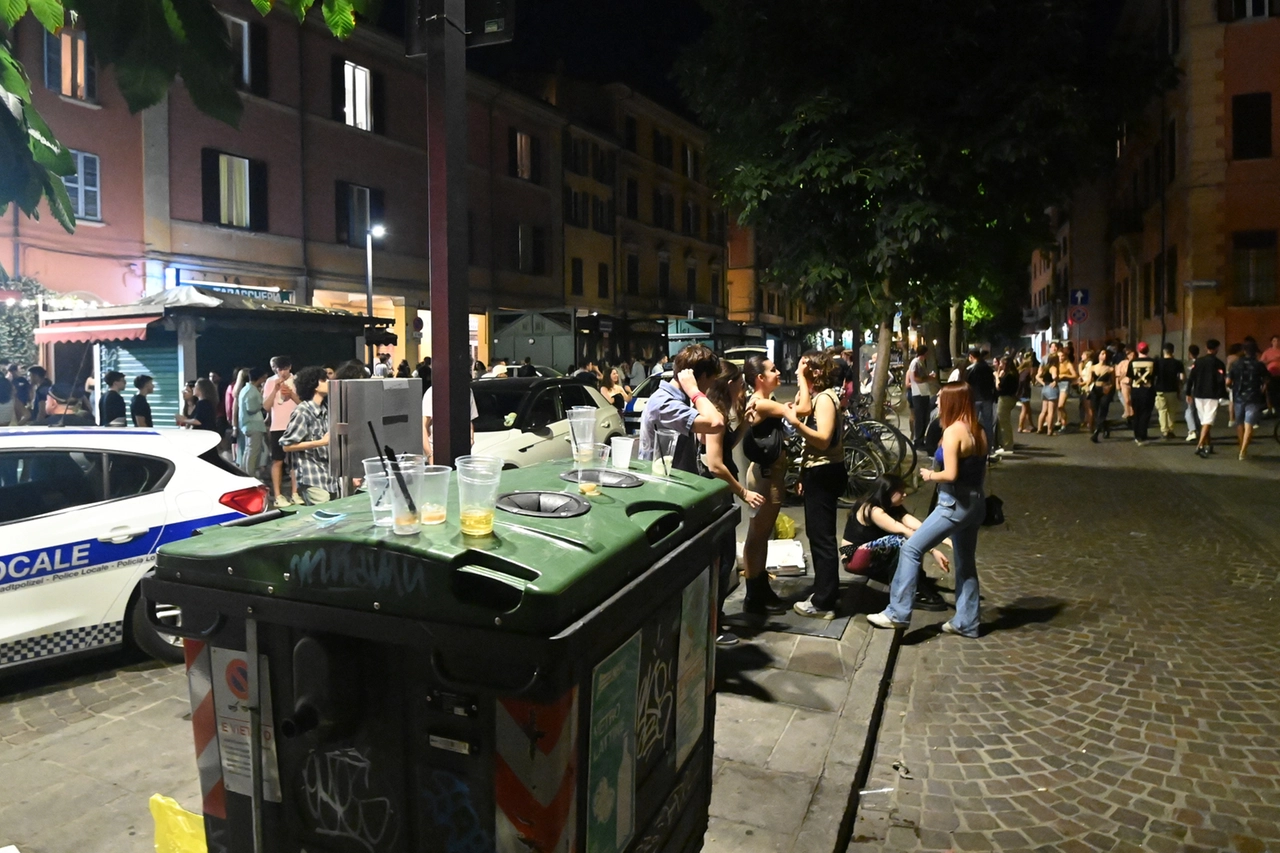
[
  {"x": 691, "y": 283},
  {"x": 233, "y": 191},
  {"x": 259, "y": 61},
  {"x": 664, "y": 278},
  {"x": 539, "y": 250},
  {"x": 352, "y": 94},
  {"x": 602, "y": 281},
  {"x": 1253, "y": 263},
  {"x": 575, "y": 277},
  {"x": 520, "y": 156},
  {"x": 715, "y": 289},
  {"x": 1251, "y": 126},
  {"x": 83, "y": 186},
  {"x": 238, "y": 30},
  {"x": 68, "y": 64},
  {"x": 633, "y": 274}
]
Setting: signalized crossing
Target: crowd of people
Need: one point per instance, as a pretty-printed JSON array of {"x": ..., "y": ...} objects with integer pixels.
[
  {"x": 273, "y": 424},
  {"x": 1146, "y": 390}
]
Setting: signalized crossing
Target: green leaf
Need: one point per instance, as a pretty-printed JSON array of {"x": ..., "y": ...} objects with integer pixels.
[
  {"x": 12, "y": 78},
  {"x": 12, "y": 10},
  {"x": 263, "y": 6},
  {"x": 60, "y": 203},
  {"x": 49, "y": 13},
  {"x": 300, "y": 8},
  {"x": 174, "y": 22},
  {"x": 340, "y": 17},
  {"x": 45, "y": 149}
]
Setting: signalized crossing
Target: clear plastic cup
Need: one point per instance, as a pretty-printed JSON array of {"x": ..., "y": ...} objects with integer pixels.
[
  {"x": 597, "y": 460},
  {"x": 406, "y": 484},
  {"x": 623, "y": 446},
  {"x": 433, "y": 496},
  {"x": 379, "y": 488},
  {"x": 478, "y": 479},
  {"x": 582, "y": 428},
  {"x": 665, "y": 453}
]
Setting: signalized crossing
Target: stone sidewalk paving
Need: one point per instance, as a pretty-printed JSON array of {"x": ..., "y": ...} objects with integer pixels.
[{"x": 1124, "y": 694}]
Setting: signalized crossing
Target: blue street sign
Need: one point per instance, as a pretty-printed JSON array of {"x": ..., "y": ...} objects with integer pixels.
[{"x": 1080, "y": 297}]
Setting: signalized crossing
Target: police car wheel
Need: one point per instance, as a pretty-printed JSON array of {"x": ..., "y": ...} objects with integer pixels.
[{"x": 163, "y": 647}]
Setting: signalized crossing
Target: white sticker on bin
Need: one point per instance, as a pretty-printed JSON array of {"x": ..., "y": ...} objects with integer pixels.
[{"x": 230, "y": 698}]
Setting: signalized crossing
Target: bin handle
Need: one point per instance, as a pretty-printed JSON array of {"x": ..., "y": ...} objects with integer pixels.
[
  {"x": 179, "y": 631},
  {"x": 438, "y": 667}
]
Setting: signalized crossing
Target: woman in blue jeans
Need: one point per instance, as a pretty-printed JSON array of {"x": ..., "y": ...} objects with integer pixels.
[{"x": 962, "y": 457}]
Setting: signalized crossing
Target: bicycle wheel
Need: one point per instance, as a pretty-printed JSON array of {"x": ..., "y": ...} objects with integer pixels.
[
  {"x": 898, "y": 452},
  {"x": 862, "y": 468}
]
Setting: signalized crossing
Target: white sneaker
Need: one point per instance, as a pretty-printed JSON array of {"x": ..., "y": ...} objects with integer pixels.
[
  {"x": 882, "y": 621},
  {"x": 948, "y": 628},
  {"x": 806, "y": 608},
  {"x": 1191, "y": 436},
  {"x": 297, "y": 499},
  {"x": 282, "y": 502}
]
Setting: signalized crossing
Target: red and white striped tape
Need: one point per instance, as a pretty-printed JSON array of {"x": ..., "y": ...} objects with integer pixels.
[{"x": 204, "y": 724}]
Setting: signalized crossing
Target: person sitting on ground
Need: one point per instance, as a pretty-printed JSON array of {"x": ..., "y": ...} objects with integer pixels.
[{"x": 875, "y": 532}]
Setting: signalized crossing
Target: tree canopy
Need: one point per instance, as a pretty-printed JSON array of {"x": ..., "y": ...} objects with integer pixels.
[
  {"x": 147, "y": 43},
  {"x": 901, "y": 153}
]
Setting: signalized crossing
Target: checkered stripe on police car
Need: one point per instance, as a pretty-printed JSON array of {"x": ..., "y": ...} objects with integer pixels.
[{"x": 61, "y": 642}]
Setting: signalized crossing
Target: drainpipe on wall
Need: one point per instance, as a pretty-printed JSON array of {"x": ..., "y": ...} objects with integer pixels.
[
  {"x": 16, "y": 270},
  {"x": 1164, "y": 228},
  {"x": 302, "y": 290}
]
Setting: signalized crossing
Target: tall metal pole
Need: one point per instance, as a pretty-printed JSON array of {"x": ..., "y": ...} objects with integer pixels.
[
  {"x": 447, "y": 210},
  {"x": 368, "y": 290}
]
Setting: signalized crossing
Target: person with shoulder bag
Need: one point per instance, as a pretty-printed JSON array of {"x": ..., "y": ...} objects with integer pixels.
[
  {"x": 961, "y": 467},
  {"x": 816, "y": 416},
  {"x": 763, "y": 443}
]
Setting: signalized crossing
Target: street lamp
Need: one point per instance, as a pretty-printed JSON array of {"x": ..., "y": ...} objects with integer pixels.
[{"x": 372, "y": 233}]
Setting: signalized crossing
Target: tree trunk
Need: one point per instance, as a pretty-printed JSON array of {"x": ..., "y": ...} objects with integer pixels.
[
  {"x": 957, "y": 331},
  {"x": 880, "y": 379},
  {"x": 942, "y": 352}
]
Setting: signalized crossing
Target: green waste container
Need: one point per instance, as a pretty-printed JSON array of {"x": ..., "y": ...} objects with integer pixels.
[{"x": 549, "y": 688}]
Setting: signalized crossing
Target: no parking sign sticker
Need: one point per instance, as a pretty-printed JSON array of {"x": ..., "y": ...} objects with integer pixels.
[{"x": 230, "y": 702}]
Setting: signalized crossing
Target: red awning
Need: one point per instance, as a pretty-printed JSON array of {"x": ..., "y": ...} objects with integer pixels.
[{"x": 90, "y": 331}]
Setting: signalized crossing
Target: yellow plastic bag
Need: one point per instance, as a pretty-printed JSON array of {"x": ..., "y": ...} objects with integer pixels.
[
  {"x": 177, "y": 830},
  {"x": 784, "y": 527}
]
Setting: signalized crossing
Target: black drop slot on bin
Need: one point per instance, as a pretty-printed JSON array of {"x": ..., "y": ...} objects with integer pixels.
[
  {"x": 543, "y": 504},
  {"x": 323, "y": 700},
  {"x": 495, "y": 585},
  {"x": 658, "y": 520}
]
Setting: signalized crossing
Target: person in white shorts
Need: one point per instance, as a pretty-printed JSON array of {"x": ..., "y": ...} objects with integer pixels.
[{"x": 1208, "y": 384}]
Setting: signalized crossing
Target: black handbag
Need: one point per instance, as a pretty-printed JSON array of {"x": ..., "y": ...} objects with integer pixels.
[
  {"x": 995, "y": 512},
  {"x": 762, "y": 443}
]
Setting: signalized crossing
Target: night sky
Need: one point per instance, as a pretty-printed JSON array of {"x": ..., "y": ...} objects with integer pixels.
[{"x": 633, "y": 41}]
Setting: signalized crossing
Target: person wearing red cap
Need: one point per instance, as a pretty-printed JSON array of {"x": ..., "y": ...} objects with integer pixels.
[{"x": 1142, "y": 390}]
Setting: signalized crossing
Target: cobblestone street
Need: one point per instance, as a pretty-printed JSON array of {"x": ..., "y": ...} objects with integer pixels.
[
  {"x": 1125, "y": 693},
  {"x": 85, "y": 744}
]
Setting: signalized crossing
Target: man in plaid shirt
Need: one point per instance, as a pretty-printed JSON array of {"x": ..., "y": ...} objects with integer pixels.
[{"x": 307, "y": 437}]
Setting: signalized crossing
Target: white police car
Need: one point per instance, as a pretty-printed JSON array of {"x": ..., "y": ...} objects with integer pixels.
[{"x": 82, "y": 512}]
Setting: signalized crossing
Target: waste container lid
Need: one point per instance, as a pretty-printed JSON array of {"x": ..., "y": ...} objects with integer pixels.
[{"x": 535, "y": 575}]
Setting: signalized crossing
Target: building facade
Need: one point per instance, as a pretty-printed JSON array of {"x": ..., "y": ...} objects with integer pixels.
[
  {"x": 1192, "y": 208},
  {"x": 588, "y": 206}
]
